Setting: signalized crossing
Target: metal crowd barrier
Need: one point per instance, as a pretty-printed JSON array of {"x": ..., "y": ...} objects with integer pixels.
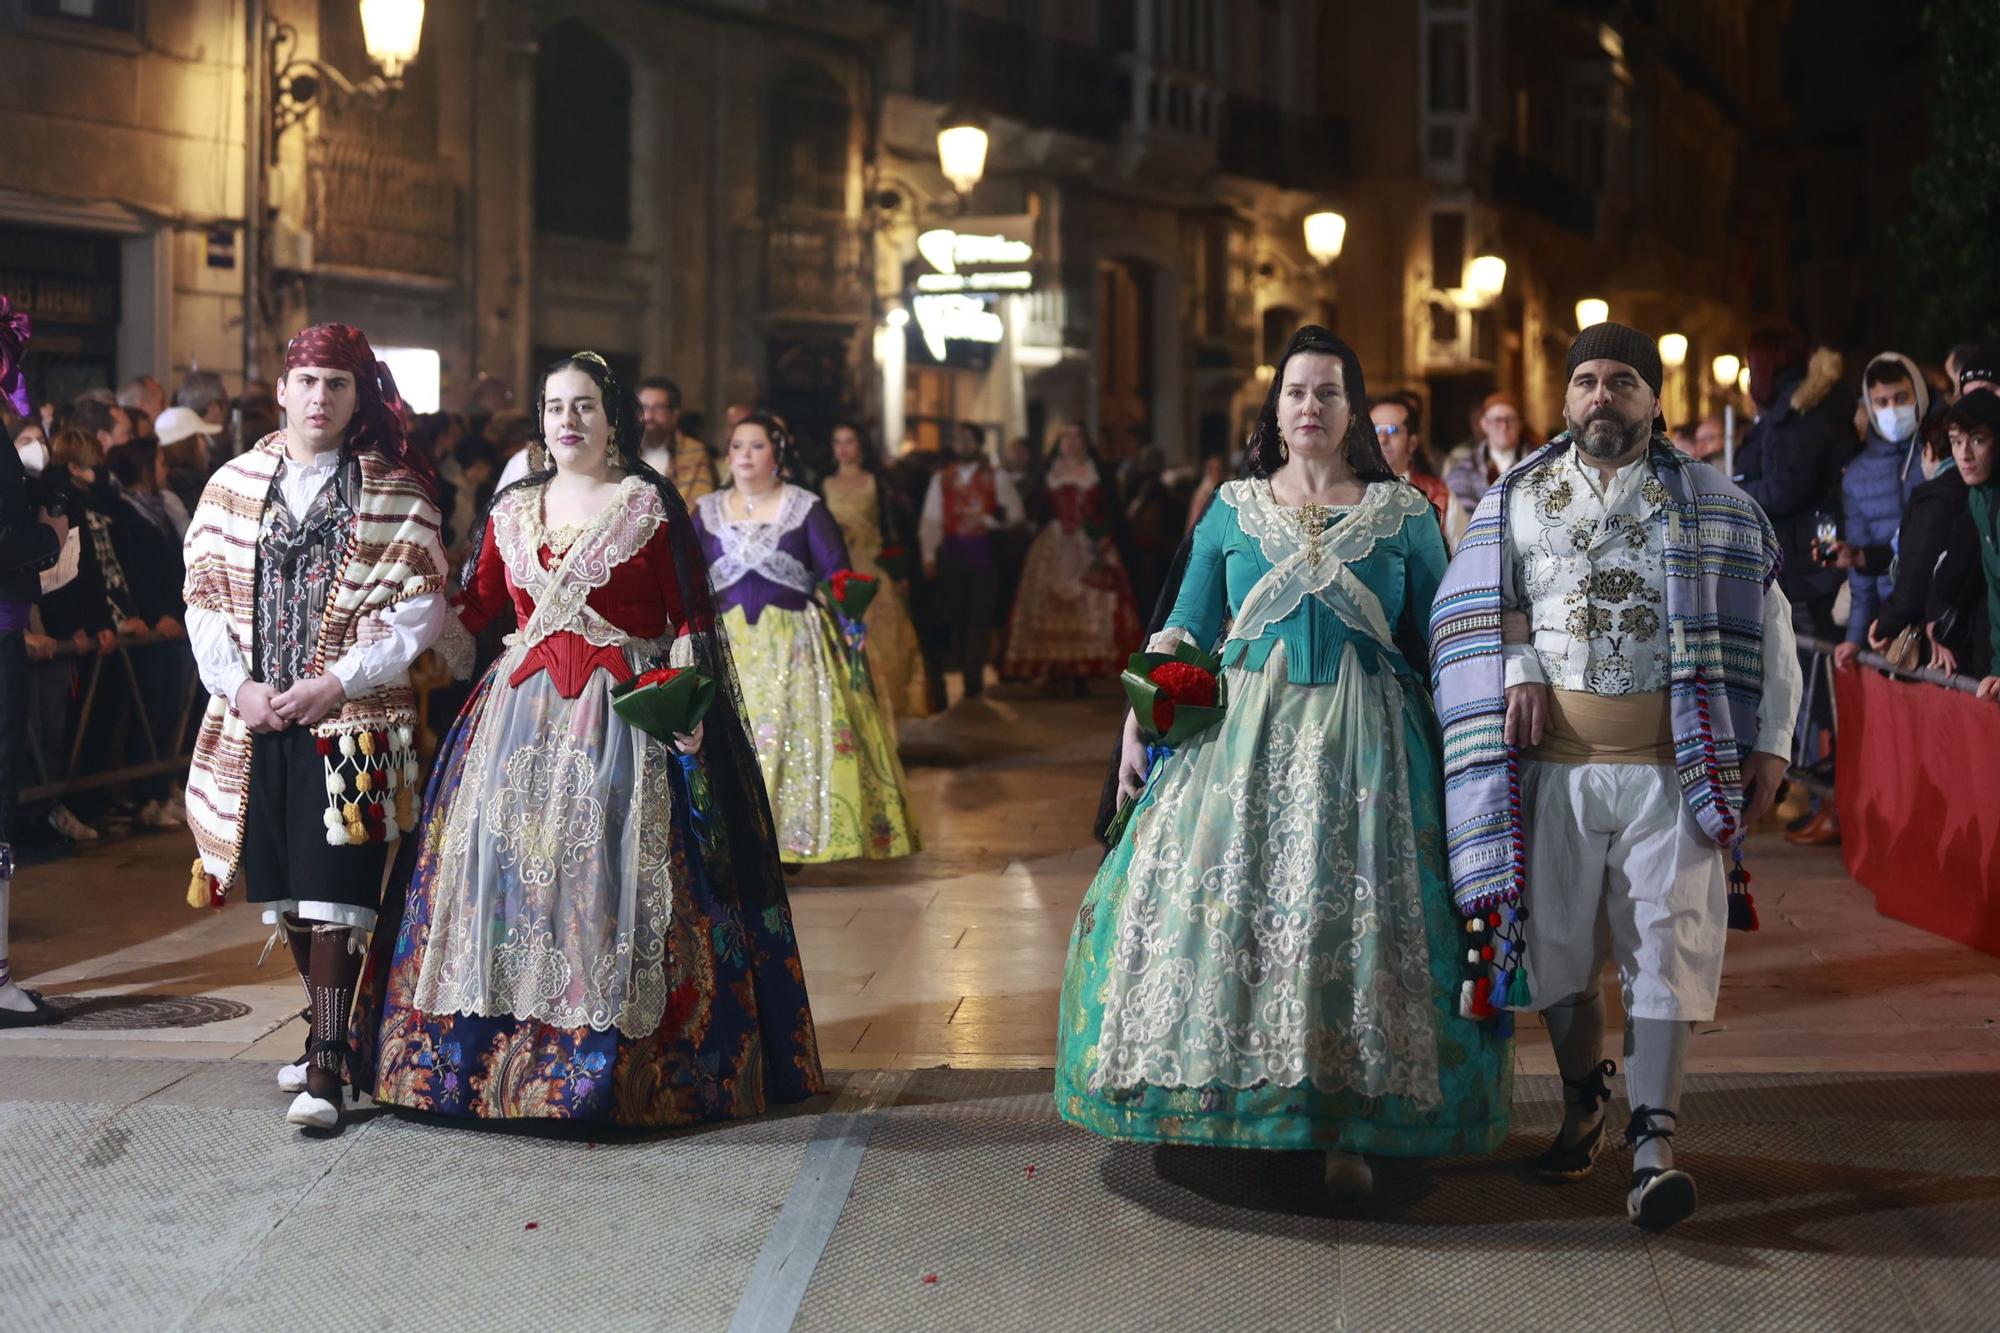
[
  {"x": 75, "y": 773},
  {"x": 1808, "y": 768}
]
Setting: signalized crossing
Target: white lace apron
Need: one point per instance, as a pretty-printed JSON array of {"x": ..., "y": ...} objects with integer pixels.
[{"x": 553, "y": 889}]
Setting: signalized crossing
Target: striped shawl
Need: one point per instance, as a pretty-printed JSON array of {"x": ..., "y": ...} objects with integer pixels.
[
  {"x": 394, "y": 553},
  {"x": 1721, "y": 554}
]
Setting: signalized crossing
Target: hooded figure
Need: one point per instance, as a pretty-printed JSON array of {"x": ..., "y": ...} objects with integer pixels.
[{"x": 1875, "y": 489}]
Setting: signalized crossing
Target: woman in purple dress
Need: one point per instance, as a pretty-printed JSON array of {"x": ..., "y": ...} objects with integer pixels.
[{"x": 828, "y": 755}]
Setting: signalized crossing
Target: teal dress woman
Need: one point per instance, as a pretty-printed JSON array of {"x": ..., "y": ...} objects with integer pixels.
[{"x": 1269, "y": 957}]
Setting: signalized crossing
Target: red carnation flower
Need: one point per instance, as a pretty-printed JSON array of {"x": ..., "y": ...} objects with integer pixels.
[
  {"x": 1180, "y": 683},
  {"x": 845, "y": 577}
]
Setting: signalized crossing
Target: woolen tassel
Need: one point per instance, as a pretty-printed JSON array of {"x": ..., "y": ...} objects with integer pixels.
[
  {"x": 198, "y": 892},
  {"x": 1742, "y": 907},
  {"x": 1522, "y": 1000}
]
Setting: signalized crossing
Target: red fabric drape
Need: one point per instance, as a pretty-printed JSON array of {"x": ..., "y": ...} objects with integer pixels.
[{"x": 1919, "y": 781}]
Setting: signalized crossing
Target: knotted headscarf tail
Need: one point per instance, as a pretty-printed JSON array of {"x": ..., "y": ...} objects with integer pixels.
[{"x": 378, "y": 408}]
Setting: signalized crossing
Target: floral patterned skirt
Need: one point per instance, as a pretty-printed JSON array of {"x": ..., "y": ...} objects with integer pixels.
[
  {"x": 733, "y": 1030},
  {"x": 829, "y": 757},
  {"x": 1074, "y": 614},
  {"x": 1270, "y": 956}
]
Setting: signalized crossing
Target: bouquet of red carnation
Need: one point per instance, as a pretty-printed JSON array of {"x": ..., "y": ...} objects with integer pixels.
[
  {"x": 665, "y": 702},
  {"x": 896, "y": 562},
  {"x": 849, "y": 595},
  {"x": 1174, "y": 697}
]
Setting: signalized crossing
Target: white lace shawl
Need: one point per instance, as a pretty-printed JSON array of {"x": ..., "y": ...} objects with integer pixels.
[{"x": 751, "y": 547}]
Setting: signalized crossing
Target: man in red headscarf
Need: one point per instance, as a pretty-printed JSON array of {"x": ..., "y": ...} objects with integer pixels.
[{"x": 304, "y": 770}]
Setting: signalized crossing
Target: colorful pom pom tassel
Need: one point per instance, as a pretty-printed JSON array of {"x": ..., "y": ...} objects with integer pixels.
[{"x": 1742, "y": 907}]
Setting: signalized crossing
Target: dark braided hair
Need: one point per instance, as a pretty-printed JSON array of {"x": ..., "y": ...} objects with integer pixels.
[
  {"x": 620, "y": 408},
  {"x": 1364, "y": 452}
]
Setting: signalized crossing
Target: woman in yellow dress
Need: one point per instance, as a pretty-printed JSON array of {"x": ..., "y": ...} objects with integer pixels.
[
  {"x": 858, "y": 495},
  {"x": 827, "y": 754}
]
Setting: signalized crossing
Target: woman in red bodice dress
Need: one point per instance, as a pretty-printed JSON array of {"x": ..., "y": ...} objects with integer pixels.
[
  {"x": 1074, "y": 615},
  {"x": 579, "y": 937}
]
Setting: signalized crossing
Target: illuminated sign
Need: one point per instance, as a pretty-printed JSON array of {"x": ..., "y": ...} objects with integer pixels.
[
  {"x": 955, "y": 280},
  {"x": 943, "y": 319}
]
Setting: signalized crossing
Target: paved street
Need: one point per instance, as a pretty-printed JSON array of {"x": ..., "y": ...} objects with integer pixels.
[{"x": 1840, "y": 1124}]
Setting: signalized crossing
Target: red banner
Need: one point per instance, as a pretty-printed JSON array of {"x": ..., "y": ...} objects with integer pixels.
[{"x": 1919, "y": 780}]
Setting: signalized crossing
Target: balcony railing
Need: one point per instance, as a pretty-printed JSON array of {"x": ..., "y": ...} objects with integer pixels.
[{"x": 812, "y": 268}]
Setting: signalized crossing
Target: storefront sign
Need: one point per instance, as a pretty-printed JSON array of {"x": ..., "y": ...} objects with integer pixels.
[
  {"x": 955, "y": 284},
  {"x": 947, "y": 319}
]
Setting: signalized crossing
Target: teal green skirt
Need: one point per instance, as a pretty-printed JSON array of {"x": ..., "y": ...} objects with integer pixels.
[{"x": 1270, "y": 958}]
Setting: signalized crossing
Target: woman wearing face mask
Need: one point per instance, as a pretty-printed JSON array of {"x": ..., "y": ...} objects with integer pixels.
[
  {"x": 1269, "y": 956},
  {"x": 860, "y": 498},
  {"x": 559, "y": 939},
  {"x": 1075, "y": 617},
  {"x": 828, "y": 755}
]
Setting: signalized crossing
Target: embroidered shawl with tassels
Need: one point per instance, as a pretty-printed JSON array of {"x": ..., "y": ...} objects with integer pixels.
[
  {"x": 1721, "y": 555},
  {"x": 394, "y": 553}
]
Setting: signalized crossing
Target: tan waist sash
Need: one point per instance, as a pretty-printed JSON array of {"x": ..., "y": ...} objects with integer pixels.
[{"x": 1607, "y": 729}]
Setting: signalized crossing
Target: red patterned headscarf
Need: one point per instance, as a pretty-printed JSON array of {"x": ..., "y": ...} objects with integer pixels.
[{"x": 378, "y": 408}]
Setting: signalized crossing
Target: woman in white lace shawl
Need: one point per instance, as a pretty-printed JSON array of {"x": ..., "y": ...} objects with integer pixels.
[{"x": 1269, "y": 956}]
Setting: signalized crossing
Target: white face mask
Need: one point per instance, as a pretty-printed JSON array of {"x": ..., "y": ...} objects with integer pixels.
[
  {"x": 34, "y": 457},
  {"x": 1896, "y": 424}
]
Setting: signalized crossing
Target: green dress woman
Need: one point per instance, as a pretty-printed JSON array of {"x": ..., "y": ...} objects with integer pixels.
[{"x": 1269, "y": 956}]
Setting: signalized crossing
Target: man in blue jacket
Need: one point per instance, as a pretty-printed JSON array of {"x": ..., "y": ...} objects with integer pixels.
[{"x": 1875, "y": 488}]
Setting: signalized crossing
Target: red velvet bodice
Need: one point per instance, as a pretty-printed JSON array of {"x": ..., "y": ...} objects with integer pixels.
[{"x": 642, "y": 598}]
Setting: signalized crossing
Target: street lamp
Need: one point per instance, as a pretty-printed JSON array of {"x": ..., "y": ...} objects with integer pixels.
[
  {"x": 1729, "y": 370},
  {"x": 392, "y": 29},
  {"x": 1326, "y": 234},
  {"x": 1590, "y": 310},
  {"x": 1673, "y": 350},
  {"x": 962, "y": 141},
  {"x": 1485, "y": 278}
]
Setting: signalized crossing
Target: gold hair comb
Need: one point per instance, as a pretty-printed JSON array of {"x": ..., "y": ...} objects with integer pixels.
[{"x": 591, "y": 357}]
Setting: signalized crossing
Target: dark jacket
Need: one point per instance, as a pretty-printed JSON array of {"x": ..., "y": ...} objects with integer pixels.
[
  {"x": 151, "y": 556},
  {"x": 81, "y": 603},
  {"x": 27, "y": 545},
  {"x": 1984, "y": 503},
  {"x": 1937, "y": 570},
  {"x": 1790, "y": 465}
]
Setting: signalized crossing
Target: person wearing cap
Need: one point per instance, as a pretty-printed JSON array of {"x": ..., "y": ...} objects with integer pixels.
[
  {"x": 304, "y": 767},
  {"x": 1617, "y": 680},
  {"x": 186, "y": 439}
]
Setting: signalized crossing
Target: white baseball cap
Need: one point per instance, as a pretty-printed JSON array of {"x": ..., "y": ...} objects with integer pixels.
[{"x": 178, "y": 423}]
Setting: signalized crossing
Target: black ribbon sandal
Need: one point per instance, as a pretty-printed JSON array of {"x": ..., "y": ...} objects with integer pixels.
[
  {"x": 1659, "y": 1198},
  {"x": 1572, "y": 1161}
]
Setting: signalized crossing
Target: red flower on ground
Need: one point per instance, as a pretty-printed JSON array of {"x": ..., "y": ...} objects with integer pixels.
[{"x": 1180, "y": 683}]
